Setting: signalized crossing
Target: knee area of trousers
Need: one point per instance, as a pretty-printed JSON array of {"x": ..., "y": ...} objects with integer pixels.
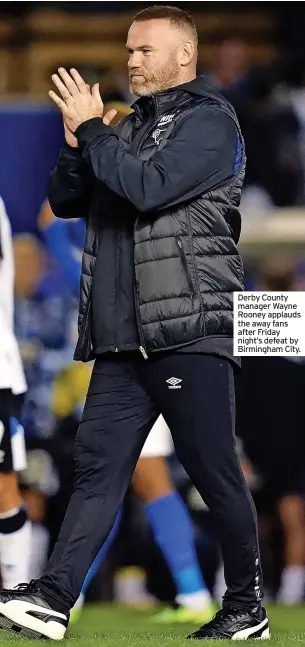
[
  {"x": 88, "y": 455},
  {"x": 92, "y": 478}
]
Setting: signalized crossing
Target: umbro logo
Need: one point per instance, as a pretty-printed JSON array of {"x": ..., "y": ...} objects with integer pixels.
[
  {"x": 166, "y": 120},
  {"x": 174, "y": 383}
]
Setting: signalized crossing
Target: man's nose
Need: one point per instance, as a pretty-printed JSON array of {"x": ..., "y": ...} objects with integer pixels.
[{"x": 135, "y": 60}]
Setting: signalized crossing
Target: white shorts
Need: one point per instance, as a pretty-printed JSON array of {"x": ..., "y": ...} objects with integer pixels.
[{"x": 159, "y": 441}]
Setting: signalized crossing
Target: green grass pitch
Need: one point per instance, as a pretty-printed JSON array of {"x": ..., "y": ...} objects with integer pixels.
[{"x": 110, "y": 626}]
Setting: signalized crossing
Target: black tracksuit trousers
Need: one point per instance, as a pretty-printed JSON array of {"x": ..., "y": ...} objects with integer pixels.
[{"x": 125, "y": 396}]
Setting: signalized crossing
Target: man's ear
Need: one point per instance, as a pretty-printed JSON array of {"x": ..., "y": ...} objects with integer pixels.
[{"x": 186, "y": 53}]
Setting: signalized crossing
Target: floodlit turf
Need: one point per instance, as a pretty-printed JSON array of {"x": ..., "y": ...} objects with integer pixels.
[{"x": 112, "y": 626}]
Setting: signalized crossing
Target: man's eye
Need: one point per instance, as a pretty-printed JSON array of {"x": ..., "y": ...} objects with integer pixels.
[{"x": 146, "y": 51}]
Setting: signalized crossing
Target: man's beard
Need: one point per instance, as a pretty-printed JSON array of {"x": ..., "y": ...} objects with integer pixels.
[{"x": 157, "y": 82}]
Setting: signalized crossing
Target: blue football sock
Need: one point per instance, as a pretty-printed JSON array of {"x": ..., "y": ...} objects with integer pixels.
[
  {"x": 172, "y": 529},
  {"x": 102, "y": 553}
]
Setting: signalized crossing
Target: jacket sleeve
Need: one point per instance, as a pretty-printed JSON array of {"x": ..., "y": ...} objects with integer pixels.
[
  {"x": 70, "y": 185},
  {"x": 200, "y": 156}
]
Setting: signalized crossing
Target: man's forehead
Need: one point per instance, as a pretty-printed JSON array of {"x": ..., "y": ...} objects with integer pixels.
[{"x": 151, "y": 32}]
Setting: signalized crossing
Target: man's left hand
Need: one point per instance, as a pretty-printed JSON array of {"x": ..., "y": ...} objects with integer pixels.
[{"x": 78, "y": 103}]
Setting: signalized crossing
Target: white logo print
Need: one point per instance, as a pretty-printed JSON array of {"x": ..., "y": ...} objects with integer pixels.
[
  {"x": 174, "y": 383},
  {"x": 166, "y": 119},
  {"x": 156, "y": 135}
]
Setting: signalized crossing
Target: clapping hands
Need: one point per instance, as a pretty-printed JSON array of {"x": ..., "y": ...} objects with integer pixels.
[{"x": 77, "y": 103}]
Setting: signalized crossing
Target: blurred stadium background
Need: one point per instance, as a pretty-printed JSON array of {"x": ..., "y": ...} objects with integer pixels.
[{"x": 254, "y": 52}]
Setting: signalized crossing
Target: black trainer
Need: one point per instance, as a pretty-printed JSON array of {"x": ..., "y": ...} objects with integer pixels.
[
  {"x": 24, "y": 610},
  {"x": 235, "y": 624}
]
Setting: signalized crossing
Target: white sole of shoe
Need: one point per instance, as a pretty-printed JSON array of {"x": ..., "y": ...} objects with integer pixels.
[
  {"x": 250, "y": 634},
  {"x": 14, "y": 618}
]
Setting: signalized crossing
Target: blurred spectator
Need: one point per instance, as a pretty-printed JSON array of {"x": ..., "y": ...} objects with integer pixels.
[
  {"x": 39, "y": 483},
  {"x": 230, "y": 73},
  {"x": 272, "y": 137},
  {"x": 293, "y": 91},
  {"x": 44, "y": 316},
  {"x": 270, "y": 127}
]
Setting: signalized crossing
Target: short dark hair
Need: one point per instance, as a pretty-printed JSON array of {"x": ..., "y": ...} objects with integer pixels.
[{"x": 177, "y": 17}]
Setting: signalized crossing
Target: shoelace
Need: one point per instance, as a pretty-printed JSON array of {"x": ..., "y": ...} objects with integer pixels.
[
  {"x": 29, "y": 587},
  {"x": 228, "y": 613}
]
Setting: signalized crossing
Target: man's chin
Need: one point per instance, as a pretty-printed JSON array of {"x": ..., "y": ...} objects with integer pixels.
[{"x": 139, "y": 89}]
